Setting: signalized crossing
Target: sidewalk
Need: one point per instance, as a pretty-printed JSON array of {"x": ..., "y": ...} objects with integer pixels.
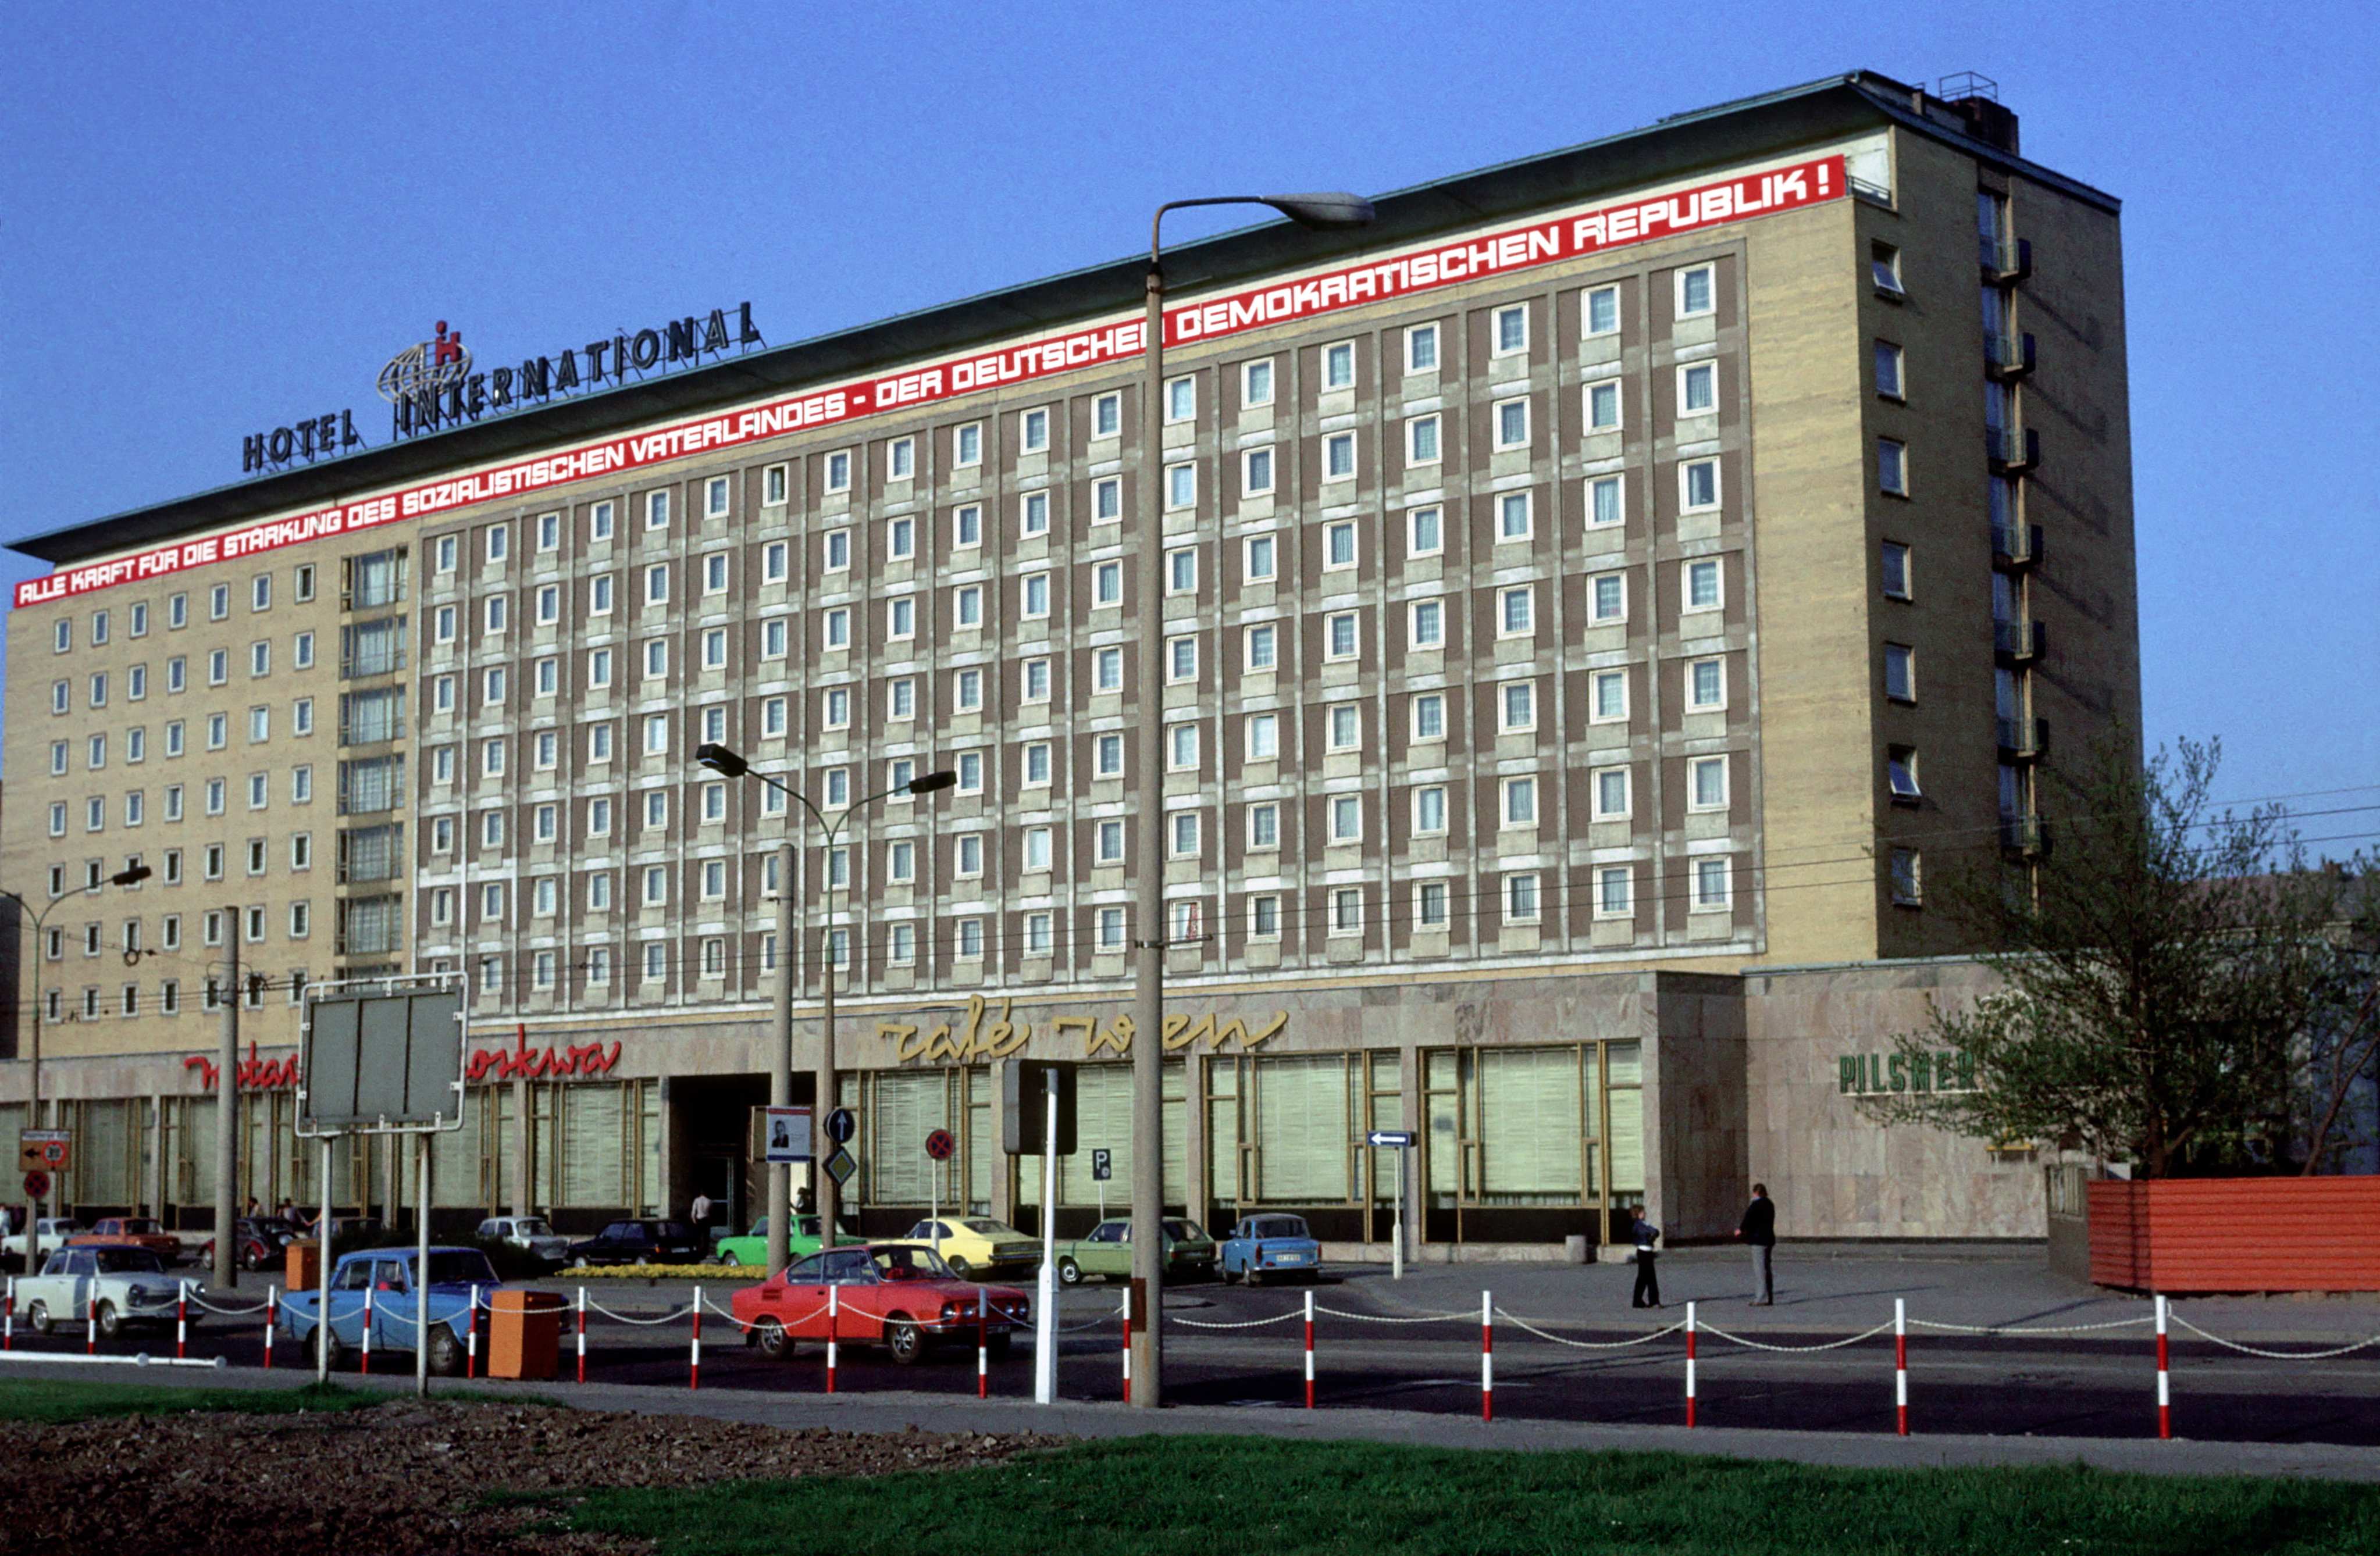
[{"x": 890, "y": 1412}]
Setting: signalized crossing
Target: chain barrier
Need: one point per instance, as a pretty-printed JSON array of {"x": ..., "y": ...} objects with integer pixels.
[
  {"x": 1829, "y": 1346},
  {"x": 671, "y": 1317},
  {"x": 2275, "y": 1355},
  {"x": 198, "y": 1299},
  {"x": 1375, "y": 1318},
  {"x": 1251, "y": 1323},
  {"x": 1586, "y": 1344},
  {"x": 2038, "y": 1329}
]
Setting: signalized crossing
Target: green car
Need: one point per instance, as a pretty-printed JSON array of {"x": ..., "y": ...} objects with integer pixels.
[
  {"x": 1189, "y": 1253},
  {"x": 751, "y": 1250}
]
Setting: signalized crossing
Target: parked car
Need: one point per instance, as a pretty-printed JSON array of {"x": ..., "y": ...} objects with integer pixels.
[
  {"x": 752, "y": 1248},
  {"x": 117, "y": 1285},
  {"x": 1189, "y": 1253},
  {"x": 530, "y": 1234},
  {"x": 973, "y": 1245},
  {"x": 261, "y": 1239},
  {"x": 130, "y": 1232},
  {"x": 639, "y": 1242},
  {"x": 1264, "y": 1246},
  {"x": 396, "y": 1296},
  {"x": 51, "y": 1231},
  {"x": 896, "y": 1295}
]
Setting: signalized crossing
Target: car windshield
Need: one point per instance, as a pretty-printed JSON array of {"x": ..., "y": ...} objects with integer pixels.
[
  {"x": 530, "y": 1226},
  {"x": 459, "y": 1266},
  {"x": 911, "y": 1264},
  {"x": 989, "y": 1228},
  {"x": 137, "y": 1228},
  {"x": 1183, "y": 1231},
  {"x": 1278, "y": 1226},
  {"x": 129, "y": 1261}
]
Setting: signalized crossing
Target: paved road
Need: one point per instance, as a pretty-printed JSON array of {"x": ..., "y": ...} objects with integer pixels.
[{"x": 2094, "y": 1384}]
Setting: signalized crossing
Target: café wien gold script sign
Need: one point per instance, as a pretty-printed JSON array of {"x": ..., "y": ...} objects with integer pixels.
[{"x": 974, "y": 1038}]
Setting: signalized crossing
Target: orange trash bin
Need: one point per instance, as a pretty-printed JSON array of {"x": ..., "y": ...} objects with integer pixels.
[
  {"x": 302, "y": 1266},
  {"x": 524, "y": 1334}
]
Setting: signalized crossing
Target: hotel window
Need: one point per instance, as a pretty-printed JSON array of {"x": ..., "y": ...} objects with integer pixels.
[
  {"x": 1603, "y": 407},
  {"x": 1608, "y": 691},
  {"x": 1713, "y": 883},
  {"x": 599, "y": 672},
  {"x": 968, "y": 697},
  {"x": 95, "y": 752},
  {"x": 1033, "y": 514},
  {"x": 1339, "y": 637},
  {"x": 1255, "y": 472},
  {"x": 599, "y": 595},
  {"x": 1703, "y": 589},
  {"x": 1422, "y": 442},
  {"x": 1520, "y": 700},
  {"x": 714, "y": 573},
  {"x": 1907, "y": 886},
  {"x": 260, "y": 663},
  {"x": 1893, "y": 466},
  {"x": 177, "y": 668},
  {"x": 1338, "y": 457},
  {"x": 1110, "y": 929},
  {"x": 969, "y": 771},
  {"x": 178, "y": 607},
  {"x": 218, "y": 732},
  {"x": 1107, "y": 414},
  {"x": 1107, "y": 583},
  {"x": 1614, "y": 891},
  {"x": 1610, "y": 793},
  {"x": 599, "y": 818},
  {"x": 967, "y": 445},
  {"x": 657, "y": 510},
  {"x": 1264, "y": 827},
  {"x": 1107, "y": 842},
  {"x": 1429, "y": 904},
  {"x": 62, "y": 636},
  {"x": 1696, "y": 293},
  {"x": 218, "y": 673},
  {"x": 1512, "y": 328},
  {"x": 1705, "y": 684},
  {"x": 656, "y": 733},
  {"x": 1430, "y": 809},
  {"x": 1182, "y": 572},
  {"x": 259, "y": 725},
  {"x": 772, "y": 486},
  {"x": 1345, "y": 725},
  {"x": 1884, "y": 269},
  {"x": 1520, "y": 897},
  {"x": 1182, "y": 747},
  {"x": 1337, "y": 545},
  {"x": 1519, "y": 801},
  {"x": 1037, "y": 935},
  {"x": 1181, "y": 399},
  {"x": 1425, "y": 532},
  {"x": 969, "y": 859},
  {"x": 1180, "y": 486},
  {"x": 1515, "y": 517},
  {"x": 1107, "y": 670},
  {"x": 837, "y": 712},
  {"x": 1338, "y": 366},
  {"x": 657, "y": 584},
  {"x": 1516, "y": 612},
  {"x": 966, "y": 526},
  {"x": 1600, "y": 316},
  {"x": 1258, "y": 559},
  {"x": 598, "y": 522},
  {"x": 970, "y": 939},
  {"x": 1421, "y": 349},
  {"x": 656, "y": 657},
  {"x": 1261, "y": 647},
  {"x": 1698, "y": 389},
  {"x": 1346, "y": 813},
  {"x": 838, "y": 471},
  {"x": 1036, "y": 764},
  {"x": 1896, "y": 570},
  {"x": 1900, "y": 672},
  {"x": 57, "y": 818},
  {"x": 772, "y": 720},
  {"x": 967, "y": 608},
  {"x": 1036, "y": 681},
  {"x": 775, "y": 638},
  {"x": 775, "y": 559},
  {"x": 1607, "y": 596},
  {"x": 1698, "y": 485},
  {"x": 1427, "y": 627},
  {"x": 901, "y": 459},
  {"x": 1036, "y": 850},
  {"x": 1256, "y": 382},
  {"x": 901, "y": 699},
  {"x": 1901, "y": 770},
  {"x": 1605, "y": 504},
  {"x": 1033, "y": 430},
  {"x": 836, "y": 625},
  {"x": 901, "y": 619},
  {"x": 838, "y": 550},
  {"x": 1036, "y": 590},
  {"x": 1428, "y": 717},
  {"x": 1106, "y": 501},
  {"x": 1347, "y": 911},
  {"x": 218, "y": 602},
  {"x": 1511, "y": 423},
  {"x": 1888, "y": 371},
  {"x": 1706, "y": 783},
  {"x": 1264, "y": 917},
  {"x": 1263, "y": 737},
  {"x": 714, "y": 648}
]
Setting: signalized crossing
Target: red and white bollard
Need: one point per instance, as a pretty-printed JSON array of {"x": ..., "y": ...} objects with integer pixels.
[
  {"x": 272, "y": 1317},
  {"x": 832, "y": 1309},
  {"x": 1128, "y": 1343},
  {"x": 2165, "y": 1392},
  {"x": 91, "y": 1321},
  {"x": 471, "y": 1336},
  {"x": 181, "y": 1321},
  {"x": 694, "y": 1361},
  {"x": 8, "y": 1322},
  {"x": 1486, "y": 1357},
  {"x": 1309, "y": 1347},
  {"x": 982, "y": 1344},
  {"x": 366, "y": 1364},
  {"x": 582, "y": 1333},
  {"x": 1901, "y": 1365},
  {"x": 1690, "y": 1364}
]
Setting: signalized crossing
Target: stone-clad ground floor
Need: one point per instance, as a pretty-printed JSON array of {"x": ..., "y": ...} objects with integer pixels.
[{"x": 1543, "y": 1107}]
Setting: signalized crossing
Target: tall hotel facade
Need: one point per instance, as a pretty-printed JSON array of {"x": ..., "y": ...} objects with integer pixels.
[{"x": 1596, "y": 597}]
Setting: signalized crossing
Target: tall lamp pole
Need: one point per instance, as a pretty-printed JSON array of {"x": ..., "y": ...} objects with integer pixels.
[
  {"x": 727, "y": 763},
  {"x": 1150, "y": 929},
  {"x": 132, "y": 876}
]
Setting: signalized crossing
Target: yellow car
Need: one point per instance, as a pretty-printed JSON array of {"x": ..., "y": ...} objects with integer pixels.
[{"x": 975, "y": 1246}]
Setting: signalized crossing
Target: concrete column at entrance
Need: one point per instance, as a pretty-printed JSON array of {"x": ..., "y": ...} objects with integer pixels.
[
  {"x": 518, "y": 1169},
  {"x": 1194, "y": 1137},
  {"x": 155, "y": 1134},
  {"x": 1002, "y": 1195}
]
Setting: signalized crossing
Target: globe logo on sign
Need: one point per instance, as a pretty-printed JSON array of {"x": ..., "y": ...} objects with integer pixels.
[{"x": 425, "y": 366}]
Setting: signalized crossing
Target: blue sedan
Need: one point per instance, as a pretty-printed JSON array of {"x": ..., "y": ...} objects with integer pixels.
[
  {"x": 390, "y": 1276},
  {"x": 1261, "y": 1246}
]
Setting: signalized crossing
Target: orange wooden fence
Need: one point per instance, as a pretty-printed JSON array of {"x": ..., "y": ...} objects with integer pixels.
[{"x": 2261, "y": 1234}]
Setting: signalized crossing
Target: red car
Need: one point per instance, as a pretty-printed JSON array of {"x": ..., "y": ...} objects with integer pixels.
[
  {"x": 902, "y": 1298},
  {"x": 130, "y": 1232}
]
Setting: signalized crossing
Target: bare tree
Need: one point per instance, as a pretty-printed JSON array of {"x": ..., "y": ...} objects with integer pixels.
[{"x": 2166, "y": 975}]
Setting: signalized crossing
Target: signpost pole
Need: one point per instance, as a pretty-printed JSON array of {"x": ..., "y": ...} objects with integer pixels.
[
  {"x": 421, "y": 1277},
  {"x": 322, "y": 1275},
  {"x": 781, "y": 1076},
  {"x": 1045, "y": 1312},
  {"x": 1397, "y": 1234},
  {"x": 226, "y": 1271}
]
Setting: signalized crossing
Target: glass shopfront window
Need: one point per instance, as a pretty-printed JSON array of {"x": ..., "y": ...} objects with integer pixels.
[{"x": 1532, "y": 1144}]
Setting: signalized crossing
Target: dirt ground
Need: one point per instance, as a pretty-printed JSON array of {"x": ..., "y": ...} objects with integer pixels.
[{"x": 404, "y": 1479}]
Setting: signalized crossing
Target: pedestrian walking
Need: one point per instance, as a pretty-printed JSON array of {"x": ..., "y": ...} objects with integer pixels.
[
  {"x": 701, "y": 1210},
  {"x": 1758, "y": 1233},
  {"x": 1649, "y": 1280}
]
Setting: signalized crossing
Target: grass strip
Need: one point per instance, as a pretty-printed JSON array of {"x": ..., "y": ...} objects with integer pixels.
[
  {"x": 1193, "y": 1496},
  {"x": 44, "y": 1399}
]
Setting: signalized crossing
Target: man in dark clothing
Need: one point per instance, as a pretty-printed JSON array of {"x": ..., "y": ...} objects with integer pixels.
[
  {"x": 1758, "y": 1233},
  {"x": 1648, "y": 1284}
]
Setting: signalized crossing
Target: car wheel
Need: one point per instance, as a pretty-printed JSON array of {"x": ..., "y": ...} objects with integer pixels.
[
  {"x": 905, "y": 1341},
  {"x": 337, "y": 1349},
  {"x": 774, "y": 1343},
  {"x": 37, "y": 1315},
  {"x": 579, "y": 1263},
  {"x": 729, "y": 1261},
  {"x": 962, "y": 1269},
  {"x": 1070, "y": 1273},
  {"x": 446, "y": 1353},
  {"x": 111, "y": 1322}
]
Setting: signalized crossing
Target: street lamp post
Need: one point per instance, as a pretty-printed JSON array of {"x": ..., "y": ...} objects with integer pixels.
[
  {"x": 727, "y": 763},
  {"x": 131, "y": 876},
  {"x": 1316, "y": 210}
]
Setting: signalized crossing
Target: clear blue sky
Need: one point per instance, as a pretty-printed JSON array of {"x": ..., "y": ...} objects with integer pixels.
[{"x": 220, "y": 218}]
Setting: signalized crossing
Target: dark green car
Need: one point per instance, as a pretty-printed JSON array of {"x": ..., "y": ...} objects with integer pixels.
[{"x": 1189, "y": 1253}]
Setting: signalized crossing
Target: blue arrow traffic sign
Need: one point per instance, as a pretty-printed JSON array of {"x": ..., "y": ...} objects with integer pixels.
[{"x": 1398, "y": 1138}]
